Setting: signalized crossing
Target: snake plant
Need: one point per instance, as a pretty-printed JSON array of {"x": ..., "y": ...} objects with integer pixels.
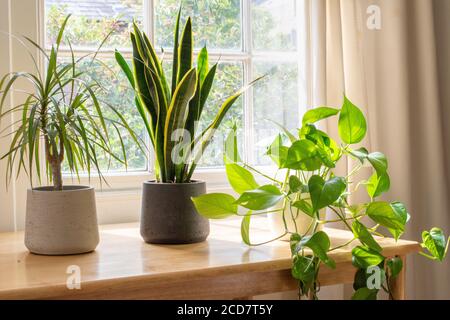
[
  {"x": 171, "y": 112},
  {"x": 64, "y": 111}
]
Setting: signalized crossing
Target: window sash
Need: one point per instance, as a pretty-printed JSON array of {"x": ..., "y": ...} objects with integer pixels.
[{"x": 246, "y": 56}]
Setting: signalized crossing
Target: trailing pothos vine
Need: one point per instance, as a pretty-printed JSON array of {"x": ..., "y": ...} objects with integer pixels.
[{"x": 309, "y": 185}]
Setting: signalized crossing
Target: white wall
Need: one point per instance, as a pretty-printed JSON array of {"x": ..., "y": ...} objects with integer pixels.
[{"x": 14, "y": 57}]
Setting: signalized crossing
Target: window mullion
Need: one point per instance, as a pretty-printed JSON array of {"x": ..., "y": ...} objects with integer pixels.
[
  {"x": 149, "y": 27},
  {"x": 248, "y": 76}
]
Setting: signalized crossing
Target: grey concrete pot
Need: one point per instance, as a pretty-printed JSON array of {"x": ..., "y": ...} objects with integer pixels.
[
  {"x": 168, "y": 215},
  {"x": 61, "y": 222}
]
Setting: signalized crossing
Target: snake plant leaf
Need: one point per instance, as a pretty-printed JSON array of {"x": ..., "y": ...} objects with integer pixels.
[
  {"x": 215, "y": 205},
  {"x": 185, "y": 50},
  {"x": 261, "y": 198},
  {"x": 317, "y": 114},
  {"x": 202, "y": 64},
  {"x": 175, "y": 64},
  {"x": 240, "y": 179},
  {"x": 352, "y": 123},
  {"x": 194, "y": 104},
  {"x": 142, "y": 90},
  {"x": 176, "y": 115},
  {"x": 206, "y": 88}
]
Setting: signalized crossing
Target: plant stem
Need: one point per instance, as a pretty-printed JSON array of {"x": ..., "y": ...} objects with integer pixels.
[
  {"x": 339, "y": 220},
  {"x": 343, "y": 219},
  {"x": 269, "y": 241},
  {"x": 343, "y": 245},
  {"x": 262, "y": 174}
]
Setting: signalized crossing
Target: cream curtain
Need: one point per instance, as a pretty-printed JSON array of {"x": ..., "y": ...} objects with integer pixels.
[{"x": 398, "y": 76}]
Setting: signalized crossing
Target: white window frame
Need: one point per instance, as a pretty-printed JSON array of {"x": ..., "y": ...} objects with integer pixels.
[{"x": 121, "y": 202}]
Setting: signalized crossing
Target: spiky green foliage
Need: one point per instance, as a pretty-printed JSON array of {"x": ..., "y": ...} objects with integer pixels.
[
  {"x": 171, "y": 112},
  {"x": 62, "y": 110}
]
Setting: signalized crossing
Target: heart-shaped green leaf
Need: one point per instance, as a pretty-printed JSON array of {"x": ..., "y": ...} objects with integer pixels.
[
  {"x": 295, "y": 185},
  {"x": 324, "y": 193},
  {"x": 215, "y": 205},
  {"x": 365, "y": 294},
  {"x": 361, "y": 154},
  {"x": 304, "y": 268},
  {"x": 303, "y": 155},
  {"x": 395, "y": 265},
  {"x": 377, "y": 185},
  {"x": 245, "y": 228},
  {"x": 379, "y": 162},
  {"x": 320, "y": 113},
  {"x": 361, "y": 232},
  {"x": 434, "y": 241},
  {"x": 261, "y": 198},
  {"x": 363, "y": 257},
  {"x": 277, "y": 152},
  {"x": 304, "y": 206},
  {"x": 319, "y": 243},
  {"x": 390, "y": 215},
  {"x": 240, "y": 179},
  {"x": 352, "y": 123}
]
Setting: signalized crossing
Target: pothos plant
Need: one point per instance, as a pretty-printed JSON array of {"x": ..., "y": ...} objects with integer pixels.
[{"x": 307, "y": 162}]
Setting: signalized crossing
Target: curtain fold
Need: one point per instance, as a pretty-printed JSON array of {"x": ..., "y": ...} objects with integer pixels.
[{"x": 397, "y": 75}]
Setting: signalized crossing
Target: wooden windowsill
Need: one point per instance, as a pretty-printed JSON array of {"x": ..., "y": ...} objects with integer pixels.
[{"x": 124, "y": 267}]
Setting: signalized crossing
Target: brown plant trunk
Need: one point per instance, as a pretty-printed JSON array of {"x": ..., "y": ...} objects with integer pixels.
[
  {"x": 55, "y": 159},
  {"x": 57, "y": 175}
]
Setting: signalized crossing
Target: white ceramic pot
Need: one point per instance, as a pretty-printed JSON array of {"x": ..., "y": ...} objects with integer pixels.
[
  {"x": 61, "y": 222},
  {"x": 302, "y": 221}
]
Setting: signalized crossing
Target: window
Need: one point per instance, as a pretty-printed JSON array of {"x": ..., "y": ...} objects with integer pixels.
[{"x": 249, "y": 38}]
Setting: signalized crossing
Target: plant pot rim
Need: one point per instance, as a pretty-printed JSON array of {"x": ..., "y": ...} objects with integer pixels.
[
  {"x": 66, "y": 188},
  {"x": 192, "y": 182}
]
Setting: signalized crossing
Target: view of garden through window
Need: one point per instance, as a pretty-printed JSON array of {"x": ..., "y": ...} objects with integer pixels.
[{"x": 248, "y": 38}]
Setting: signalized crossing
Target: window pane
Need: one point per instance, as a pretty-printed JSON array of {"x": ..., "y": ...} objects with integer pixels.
[
  {"x": 276, "y": 98},
  {"x": 216, "y": 24},
  {"x": 229, "y": 79},
  {"x": 92, "y": 20},
  {"x": 274, "y": 25},
  {"x": 117, "y": 92}
]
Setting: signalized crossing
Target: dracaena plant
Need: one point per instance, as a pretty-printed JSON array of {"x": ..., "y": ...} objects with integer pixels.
[
  {"x": 171, "y": 112},
  {"x": 63, "y": 111},
  {"x": 310, "y": 184}
]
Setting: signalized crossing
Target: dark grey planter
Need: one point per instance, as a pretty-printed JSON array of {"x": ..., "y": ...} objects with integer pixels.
[{"x": 168, "y": 215}]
